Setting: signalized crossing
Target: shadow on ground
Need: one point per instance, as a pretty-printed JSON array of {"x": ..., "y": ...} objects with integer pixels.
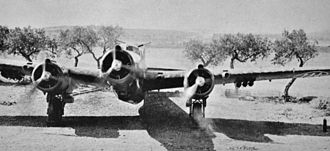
[{"x": 171, "y": 126}]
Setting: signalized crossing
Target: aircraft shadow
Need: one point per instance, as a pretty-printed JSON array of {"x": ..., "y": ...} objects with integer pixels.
[
  {"x": 255, "y": 130},
  {"x": 171, "y": 126}
]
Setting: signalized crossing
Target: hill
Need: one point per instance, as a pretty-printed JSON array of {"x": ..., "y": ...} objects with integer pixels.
[
  {"x": 159, "y": 38},
  {"x": 175, "y": 39}
]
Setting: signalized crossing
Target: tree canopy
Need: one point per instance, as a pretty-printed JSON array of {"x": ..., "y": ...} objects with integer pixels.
[
  {"x": 294, "y": 45},
  {"x": 244, "y": 47},
  {"x": 94, "y": 40},
  {"x": 240, "y": 47},
  {"x": 28, "y": 42},
  {"x": 4, "y": 33},
  {"x": 207, "y": 53}
]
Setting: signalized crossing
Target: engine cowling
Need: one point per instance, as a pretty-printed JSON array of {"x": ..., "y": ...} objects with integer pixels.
[
  {"x": 124, "y": 57},
  {"x": 225, "y": 74},
  {"x": 50, "y": 85},
  {"x": 206, "y": 89}
]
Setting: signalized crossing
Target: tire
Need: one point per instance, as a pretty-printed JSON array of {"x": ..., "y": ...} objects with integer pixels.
[
  {"x": 55, "y": 110},
  {"x": 197, "y": 112}
]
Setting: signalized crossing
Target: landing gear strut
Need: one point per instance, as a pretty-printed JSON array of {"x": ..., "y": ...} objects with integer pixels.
[
  {"x": 197, "y": 109},
  {"x": 55, "y": 109}
]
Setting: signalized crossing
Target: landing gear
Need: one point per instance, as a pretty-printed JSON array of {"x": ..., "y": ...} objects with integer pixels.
[
  {"x": 197, "y": 109},
  {"x": 55, "y": 109}
]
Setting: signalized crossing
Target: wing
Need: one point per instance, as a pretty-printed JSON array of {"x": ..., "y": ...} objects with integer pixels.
[
  {"x": 156, "y": 79},
  {"x": 15, "y": 71},
  {"x": 84, "y": 76},
  {"x": 239, "y": 76},
  {"x": 162, "y": 79}
]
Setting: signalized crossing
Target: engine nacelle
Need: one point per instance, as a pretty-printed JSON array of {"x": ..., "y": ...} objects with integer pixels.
[
  {"x": 206, "y": 89},
  {"x": 225, "y": 74},
  {"x": 121, "y": 55},
  {"x": 50, "y": 85}
]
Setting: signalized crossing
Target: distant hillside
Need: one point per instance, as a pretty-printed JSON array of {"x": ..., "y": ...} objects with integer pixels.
[
  {"x": 174, "y": 39},
  {"x": 159, "y": 38}
]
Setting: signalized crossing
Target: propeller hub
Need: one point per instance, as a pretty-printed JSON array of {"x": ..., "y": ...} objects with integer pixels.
[
  {"x": 116, "y": 65},
  {"x": 47, "y": 75},
  {"x": 200, "y": 81}
]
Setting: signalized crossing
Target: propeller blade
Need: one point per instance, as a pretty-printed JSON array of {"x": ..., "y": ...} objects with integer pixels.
[
  {"x": 37, "y": 82},
  {"x": 114, "y": 55},
  {"x": 113, "y": 64},
  {"x": 191, "y": 91},
  {"x": 42, "y": 77},
  {"x": 142, "y": 63}
]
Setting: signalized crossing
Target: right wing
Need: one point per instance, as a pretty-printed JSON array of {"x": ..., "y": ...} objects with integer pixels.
[
  {"x": 165, "y": 78},
  {"x": 235, "y": 76},
  {"x": 15, "y": 71}
]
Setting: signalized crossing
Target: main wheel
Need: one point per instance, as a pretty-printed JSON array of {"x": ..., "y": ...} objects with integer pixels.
[
  {"x": 197, "y": 112},
  {"x": 55, "y": 109}
]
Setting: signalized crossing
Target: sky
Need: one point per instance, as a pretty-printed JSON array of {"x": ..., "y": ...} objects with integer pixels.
[{"x": 218, "y": 16}]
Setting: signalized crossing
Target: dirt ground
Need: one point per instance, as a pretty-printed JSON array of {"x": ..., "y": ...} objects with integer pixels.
[{"x": 99, "y": 121}]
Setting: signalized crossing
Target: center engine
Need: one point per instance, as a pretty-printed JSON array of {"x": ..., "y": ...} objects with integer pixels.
[{"x": 123, "y": 81}]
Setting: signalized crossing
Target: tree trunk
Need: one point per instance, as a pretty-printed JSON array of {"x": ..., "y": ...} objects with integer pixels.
[
  {"x": 98, "y": 64},
  {"x": 76, "y": 61},
  {"x": 287, "y": 87},
  {"x": 232, "y": 63},
  {"x": 286, "y": 90}
]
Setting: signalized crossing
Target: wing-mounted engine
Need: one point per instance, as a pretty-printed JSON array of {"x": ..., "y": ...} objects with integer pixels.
[
  {"x": 48, "y": 77},
  {"x": 225, "y": 74},
  {"x": 199, "y": 83}
]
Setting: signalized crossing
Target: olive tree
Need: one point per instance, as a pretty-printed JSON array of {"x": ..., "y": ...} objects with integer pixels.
[
  {"x": 28, "y": 42},
  {"x": 70, "y": 43},
  {"x": 4, "y": 34},
  {"x": 94, "y": 40},
  {"x": 244, "y": 47},
  {"x": 291, "y": 46},
  {"x": 108, "y": 36},
  {"x": 207, "y": 53}
]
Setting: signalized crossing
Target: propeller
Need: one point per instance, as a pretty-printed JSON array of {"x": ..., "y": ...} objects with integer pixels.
[
  {"x": 115, "y": 65},
  {"x": 191, "y": 91},
  {"x": 45, "y": 76},
  {"x": 137, "y": 69}
]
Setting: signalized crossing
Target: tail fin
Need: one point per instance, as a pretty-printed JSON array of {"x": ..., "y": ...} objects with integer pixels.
[{"x": 142, "y": 63}]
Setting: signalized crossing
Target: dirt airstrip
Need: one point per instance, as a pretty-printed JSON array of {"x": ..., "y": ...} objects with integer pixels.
[{"x": 99, "y": 121}]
